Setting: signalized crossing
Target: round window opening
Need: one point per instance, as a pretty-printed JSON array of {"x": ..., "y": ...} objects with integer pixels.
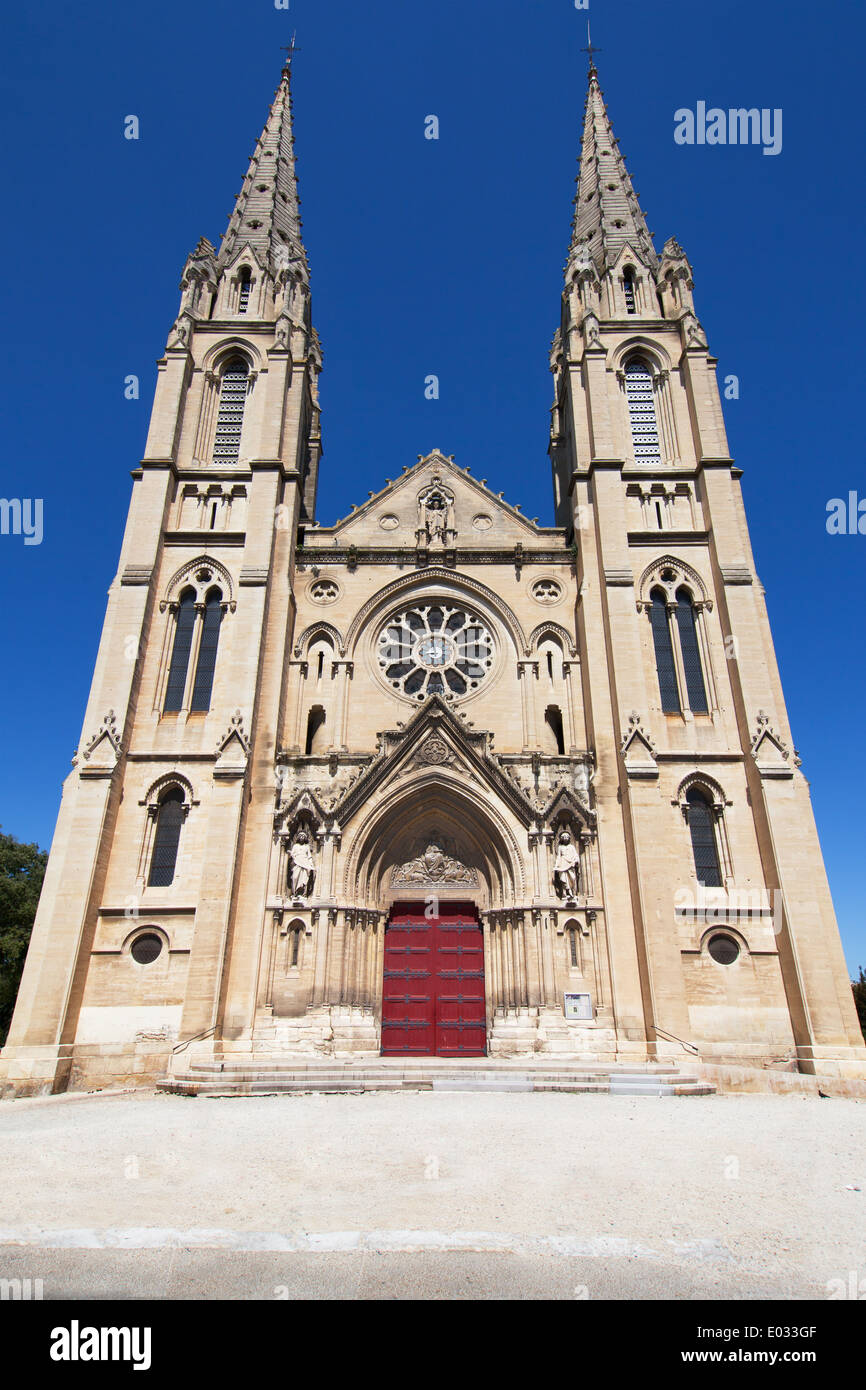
[
  {"x": 435, "y": 649},
  {"x": 724, "y": 950},
  {"x": 146, "y": 948}
]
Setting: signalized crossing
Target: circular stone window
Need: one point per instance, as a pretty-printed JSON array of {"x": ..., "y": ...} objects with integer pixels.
[
  {"x": 389, "y": 523},
  {"x": 724, "y": 950},
  {"x": 324, "y": 591},
  {"x": 482, "y": 522},
  {"x": 146, "y": 948},
  {"x": 435, "y": 649},
  {"x": 547, "y": 591}
]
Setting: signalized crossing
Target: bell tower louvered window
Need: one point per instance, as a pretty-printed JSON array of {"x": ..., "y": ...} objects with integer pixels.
[
  {"x": 664, "y": 649},
  {"x": 704, "y": 847},
  {"x": 169, "y": 820},
  {"x": 686, "y": 625},
  {"x": 246, "y": 285},
  {"x": 628, "y": 287},
  {"x": 230, "y": 416},
  {"x": 207, "y": 653},
  {"x": 642, "y": 412},
  {"x": 183, "y": 635}
]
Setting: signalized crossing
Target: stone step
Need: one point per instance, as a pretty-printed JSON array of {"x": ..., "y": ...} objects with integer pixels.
[{"x": 284, "y": 1076}]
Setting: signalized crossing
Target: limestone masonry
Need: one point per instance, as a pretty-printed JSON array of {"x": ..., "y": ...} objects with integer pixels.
[{"x": 434, "y": 779}]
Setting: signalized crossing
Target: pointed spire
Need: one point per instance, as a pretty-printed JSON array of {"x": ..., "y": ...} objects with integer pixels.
[
  {"x": 607, "y": 213},
  {"x": 266, "y": 214}
]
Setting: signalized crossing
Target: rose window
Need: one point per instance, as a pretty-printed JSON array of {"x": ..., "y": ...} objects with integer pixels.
[{"x": 435, "y": 649}]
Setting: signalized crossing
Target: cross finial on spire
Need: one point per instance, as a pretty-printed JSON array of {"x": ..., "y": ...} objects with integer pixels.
[
  {"x": 590, "y": 50},
  {"x": 290, "y": 50}
]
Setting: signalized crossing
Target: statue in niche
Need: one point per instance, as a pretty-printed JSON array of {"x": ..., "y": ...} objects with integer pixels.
[
  {"x": 437, "y": 514},
  {"x": 566, "y": 867},
  {"x": 302, "y": 870}
]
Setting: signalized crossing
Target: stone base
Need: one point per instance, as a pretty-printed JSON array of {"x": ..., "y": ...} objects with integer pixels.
[
  {"x": 335, "y": 1030},
  {"x": 93, "y": 1067},
  {"x": 534, "y": 1031}
]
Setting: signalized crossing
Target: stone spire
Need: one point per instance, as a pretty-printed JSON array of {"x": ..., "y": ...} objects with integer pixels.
[
  {"x": 266, "y": 214},
  {"x": 607, "y": 213}
]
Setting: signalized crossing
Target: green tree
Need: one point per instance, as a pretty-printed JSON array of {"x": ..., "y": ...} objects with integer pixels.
[
  {"x": 22, "y": 869},
  {"x": 859, "y": 988}
]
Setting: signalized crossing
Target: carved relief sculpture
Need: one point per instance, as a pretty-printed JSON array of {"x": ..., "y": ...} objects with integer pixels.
[{"x": 434, "y": 865}]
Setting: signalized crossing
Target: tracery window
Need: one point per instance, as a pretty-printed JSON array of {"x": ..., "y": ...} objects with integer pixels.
[
  {"x": 678, "y": 642},
  {"x": 435, "y": 648},
  {"x": 194, "y": 652}
]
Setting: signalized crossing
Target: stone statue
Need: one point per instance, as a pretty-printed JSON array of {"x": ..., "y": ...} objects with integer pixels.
[
  {"x": 302, "y": 870},
  {"x": 437, "y": 514},
  {"x": 566, "y": 868}
]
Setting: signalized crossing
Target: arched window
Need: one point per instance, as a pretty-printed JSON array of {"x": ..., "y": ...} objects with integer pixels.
[
  {"x": 553, "y": 727},
  {"x": 207, "y": 652},
  {"x": 183, "y": 633},
  {"x": 703, "y": 833},
  {"x": 230, "y": 415},
  {"x": 294, "y": 944},
  {"x": 629, "y": 288},
  {"x": 574, "y": 947},
  {"x": 642, "y": 412},
  {"x": 664, "y": 649},
  {"x": 691, "y": 654},
  {"x": 246, "y": 285},
  {"x": 169, "y": 819},
  {"x": 315, "y": 725}
]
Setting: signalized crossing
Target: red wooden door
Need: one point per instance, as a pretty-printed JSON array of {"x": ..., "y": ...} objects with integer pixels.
[{"x": 433, "y": 996}]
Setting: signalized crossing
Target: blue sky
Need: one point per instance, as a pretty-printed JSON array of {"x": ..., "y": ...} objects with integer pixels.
[{"x": 429, "y": 257}]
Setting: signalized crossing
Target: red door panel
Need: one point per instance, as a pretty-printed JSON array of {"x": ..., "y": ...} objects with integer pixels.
[{"x": 433, "y": 996}]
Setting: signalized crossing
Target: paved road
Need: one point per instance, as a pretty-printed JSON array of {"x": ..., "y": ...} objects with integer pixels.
[{"x": 436, "y": 1195}]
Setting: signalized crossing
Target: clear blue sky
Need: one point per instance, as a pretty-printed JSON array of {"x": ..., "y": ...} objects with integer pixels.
[{"x": 429, "y": 257}]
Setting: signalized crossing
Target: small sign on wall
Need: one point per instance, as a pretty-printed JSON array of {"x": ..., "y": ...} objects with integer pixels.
[{"x": 578, "y": 1007}]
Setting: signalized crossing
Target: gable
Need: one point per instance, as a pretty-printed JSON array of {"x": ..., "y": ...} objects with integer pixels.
[{"x": 469, "y": 515}]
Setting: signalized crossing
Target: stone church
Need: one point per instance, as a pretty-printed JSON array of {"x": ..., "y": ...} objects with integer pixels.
[{"x": 434, "y": 779}]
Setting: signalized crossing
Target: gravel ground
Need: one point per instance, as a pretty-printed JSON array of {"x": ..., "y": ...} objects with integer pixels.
[{"x": 435, "y": 1195}]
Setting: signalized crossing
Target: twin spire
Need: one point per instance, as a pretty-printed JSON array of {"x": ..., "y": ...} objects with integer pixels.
[
  {"x": 607, "y": 217},
  {"x": 607, "y": 214},
  {"x": 267, "y": 214}
]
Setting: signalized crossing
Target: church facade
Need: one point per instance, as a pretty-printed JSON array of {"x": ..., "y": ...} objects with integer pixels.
[{"x": 433, "y": 780}]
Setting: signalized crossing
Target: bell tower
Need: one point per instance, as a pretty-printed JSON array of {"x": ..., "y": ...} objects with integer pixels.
[
  {"x": 721, "y": 921},
  {"x": 176, "y": 758}
]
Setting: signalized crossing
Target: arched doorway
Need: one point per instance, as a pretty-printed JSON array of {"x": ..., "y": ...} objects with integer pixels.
[{"x": 436, "y": 858}]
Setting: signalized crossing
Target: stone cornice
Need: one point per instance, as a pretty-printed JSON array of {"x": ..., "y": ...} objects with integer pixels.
[
  {"x": 668, "y": 537},
  {"x": 362, "y": 555},
  {"x": 211, "y": 539}
]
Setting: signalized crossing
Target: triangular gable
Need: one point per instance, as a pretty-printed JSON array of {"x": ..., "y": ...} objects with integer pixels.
[
  {"x": 434, "y": 736},
  {"x": 391, "y": 516}
]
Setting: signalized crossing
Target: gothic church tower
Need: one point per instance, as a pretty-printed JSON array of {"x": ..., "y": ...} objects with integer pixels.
[{"x": 433, "y": 780}]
